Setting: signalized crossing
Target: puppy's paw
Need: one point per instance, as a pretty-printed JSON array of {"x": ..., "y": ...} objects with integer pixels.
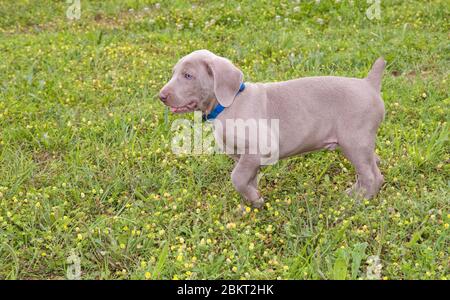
[
  {"x": 258, "y": 203},
  {"x": 357, "y": 193}
]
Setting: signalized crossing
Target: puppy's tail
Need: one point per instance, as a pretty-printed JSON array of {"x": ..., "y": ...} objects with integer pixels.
[{"x": 376, "y": 73}]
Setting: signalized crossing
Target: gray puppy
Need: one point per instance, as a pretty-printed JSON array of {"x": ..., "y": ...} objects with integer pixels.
[{"x": 313, "y": 113}]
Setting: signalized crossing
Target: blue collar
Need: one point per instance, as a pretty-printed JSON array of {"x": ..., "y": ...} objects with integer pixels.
[{"x": 219, "y": 108}]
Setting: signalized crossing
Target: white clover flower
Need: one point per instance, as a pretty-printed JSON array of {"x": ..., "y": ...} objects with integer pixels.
[{"x": 374, "y": 267}]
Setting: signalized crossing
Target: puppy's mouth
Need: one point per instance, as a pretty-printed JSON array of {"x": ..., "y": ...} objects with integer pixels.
[{"x": 191, "y": 106}]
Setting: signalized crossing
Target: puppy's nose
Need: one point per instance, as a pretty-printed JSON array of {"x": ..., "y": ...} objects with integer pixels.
[{"x": 163, "y": 96}]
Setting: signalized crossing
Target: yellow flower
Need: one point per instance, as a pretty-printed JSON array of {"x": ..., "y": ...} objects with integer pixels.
[
  {"x": 79, "y": 236},
  {"x": 122, "y": 246},
  {"x": 234, "y": 269},
  {"x": 231, "y": 225},
  {"x": 147, "y": 275},
  {"x": 446, "y": 225}
]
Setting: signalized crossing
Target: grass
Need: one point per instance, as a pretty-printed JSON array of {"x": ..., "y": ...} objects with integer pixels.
[{"x": 86, "y": 166}]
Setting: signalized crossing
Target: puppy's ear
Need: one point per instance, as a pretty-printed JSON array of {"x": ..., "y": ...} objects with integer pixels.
[{"x": 227, "y": 79}]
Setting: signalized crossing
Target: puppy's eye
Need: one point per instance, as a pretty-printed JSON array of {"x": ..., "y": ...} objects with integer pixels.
[{"x": 188, "y": 76}]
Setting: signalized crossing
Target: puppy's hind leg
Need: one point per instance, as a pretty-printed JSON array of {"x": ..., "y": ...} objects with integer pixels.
[
  {"x": 363, "y": 157},
  {"x": 244, "y": 179}
]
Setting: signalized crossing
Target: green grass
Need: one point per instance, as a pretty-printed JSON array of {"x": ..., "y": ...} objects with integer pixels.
[{"x": 86, "y": 166}]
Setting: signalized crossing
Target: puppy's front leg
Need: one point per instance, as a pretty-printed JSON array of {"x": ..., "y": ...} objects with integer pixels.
[{"x": 244, "y": 179}]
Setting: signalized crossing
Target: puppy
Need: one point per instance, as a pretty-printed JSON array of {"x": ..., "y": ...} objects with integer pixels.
[{"x": 310, "y": 114}]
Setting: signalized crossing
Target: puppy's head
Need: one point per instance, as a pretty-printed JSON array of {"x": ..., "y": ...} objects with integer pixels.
[{"x": 199, "y": 80}]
